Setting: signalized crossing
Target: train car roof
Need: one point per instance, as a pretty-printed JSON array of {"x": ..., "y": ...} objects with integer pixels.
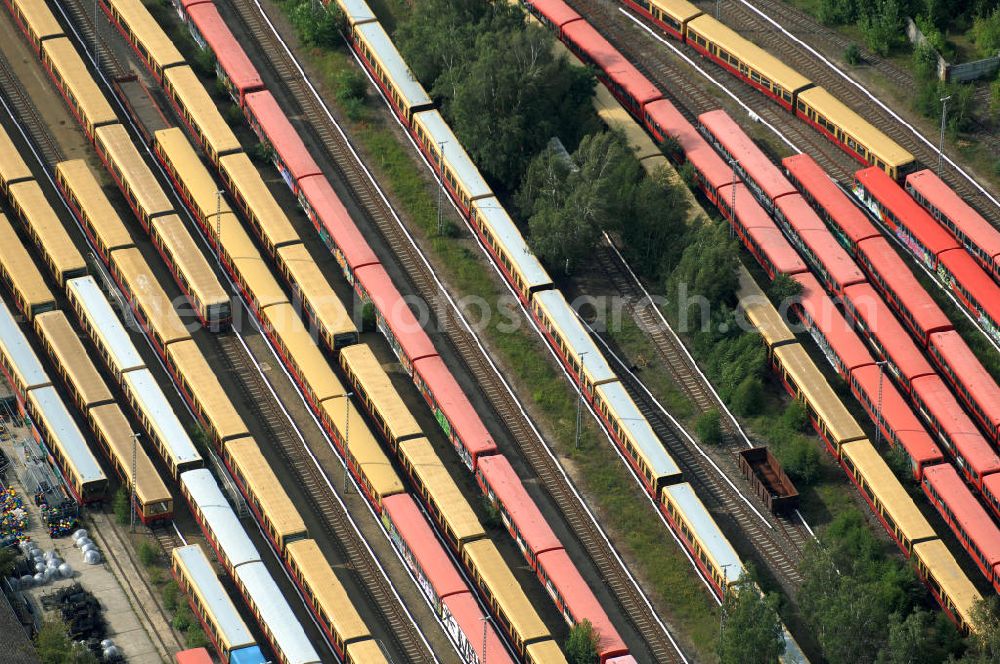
[
  {"x": 611, "y": 62},
  {"x": 154, "y": 40},
  {"x": 248, "y": 655},
  {"x": 438, "y": 133},
  {"x": 282, "y": 136},
  {"x": 748, "y": 156},
  {"x": 264, "y": 484},
  {"x": 636, "y": 427},
  {"x": 220, "y": 519},
  {"x": 46, "y": 225},
  {"x": 749, "y": 212},
  {"x": 907, "y": 211},
  {"x": 274, "y": 223},
  {"x": 766, "y": 64},
  {"x": 506, "y": 590},
  {"x": 966, "y": 511},
  {"x": 898, "y": 415},
  {"x": 556, "y": 12},
  {"x": 798, "y": 213},
  {"x": 367, "y": 651},
  {"x": 378, "y": 387},
  {"x": 392, "y": 63},
  {"x": 562, "y": 573},
  {"x": 74, "y": 74},
  {"x": 153, "y": 402},
  {"x": 301, "y": 346},
  {"x": 19, "y": 352},
  {"x": 327, "y": 590},
  {"x": 761, "y": 313},
  {"x": 858, "y": 128},
  {"x": 900, "y": 280},
  {"x": 232, "y": 630},
  {"x": 947, "y": 201},
  {"x": 706, "y": 530},
  {"x": 575, "y": 335},
  {"x": 779, "y": 252},
  {"x": 883, "y": 483},
  {"x": 405, "y": 327},
  {"x": 425, "y": 548},
  {"x": 840, "y": 336},
  {"x": 189, "y": 259},
  {"x": 158, "y": 308},
  {"x": 12, "y": 166},
  {"x": 227, "y": 49},
  {"x": 465, "y": 610},
  {"x": 50, "y": 407},
  {"x": 335, "y": 222},
  {"x": 202, "y": 190},
  {"x": 275, "y": 612},
  {"x": 73, "y": 357},
  {"x": 356, "y": 11},
  {"x": 451, "y": 503},
  {"x": 509, "y": 490},
  {"x": 834, "y": 260},
  {"x": 201, "y": 380},
  {"x": 193, "y": 97},
  {"x": 39, "y": 18},
  {"x": 974, "y": 279},
  {"x": 664, "y": 115},
  {"x": 134, "y": 171},
  {"x": 969, "y": 371},
  {"x": 945, "y": 570},
  {"x": 90, "y": 197},
  {"x": 891, "y": 335},
  {"x": 512, "y": 243},
  {"x": 194, "y": 656},
  {"x": 106, "y": 325},
  {"x": 546, "y": 651},
  {"x": 839, "y": 207},
  {"x": 679, "y": 9},
  {"x": 840, "y": 424},
  {"x": 364, "y": 448},
  {"x": 453, "y": 402},
  {"x": 945, "y": 411},
  {"x": 324, "y": 302},
  {"x": 21, "y": 269},
  {"x": 118, "y": 431}
]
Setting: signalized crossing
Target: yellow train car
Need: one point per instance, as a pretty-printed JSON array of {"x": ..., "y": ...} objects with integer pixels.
[
  {"x": 389, "y": 69},
  {"x": 255, "y": 201},
  {"x": 199, "y": 111},
  {"x": 367, "y": 459},
  {"x": 761, "y": 313},
  {"x": 152, "y": 305},
  {"x": 673, "y": 14},
  {"x": 264, "y": 493},
  {"x": 446, "y": 153},
  {"x": 36, "y": 20},
  {"x": 366, "y": 652},
  {"x": 76, "y": 84},
  {"x": 313, "y": 292},
  {"x": 136, "y": 181},
  {"x": 12, "y": 167},
  {"x": 192, "y": 271},
  {"x": 246, "y": 265},
  {"x": 46, "y": 230},
  {"x": 147, "y": 38},
  {"x": 87, "y": 199},
  {"x": 375, "y": 389},
  {"x": 713, "y": 553},
  {"x": 301, "y": 353},
  {"x": 200, "y": 386},
  {"x": 19, "y": 272},
  {"x": 841, "y": 124},
  {"x": 448, "y": 505},
  {"x": 326, "y": 595},
  {"x": 504, "y": 594},
  {"x": 195, "y": 182},
  {"x": 544, "y": 652},
  {"x": 562, "y": 326},
  {"x": 745, "y": 59},
  {"x": 72, "y": 361},
  {"x": 114, "y": 435},
  {"x": 948, "y": 582}
]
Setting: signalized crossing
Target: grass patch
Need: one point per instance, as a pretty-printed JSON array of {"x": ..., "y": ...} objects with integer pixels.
[{"x": 157, "y": 565}]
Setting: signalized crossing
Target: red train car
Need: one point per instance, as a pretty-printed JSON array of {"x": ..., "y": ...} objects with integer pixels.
[
  {"x": 335, "y": 226},
  {"x": 828, "y": 327},
  {"x": 758, "y": 232},
  {"x": 969, "y": 379},
  {"x": 624, "y": 81},
  {"x": 232, "y": 65},
  {"x": 919, "y": 233},
  {"x": 553, "y": 13},
  {"x": 287, "y": 150},
  {"x": 977, "y": 235},
  {"x": 977, "y": 292},
  {"x": 972, "y": 525}
]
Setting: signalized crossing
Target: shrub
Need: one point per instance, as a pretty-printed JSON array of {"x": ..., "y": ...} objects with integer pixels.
[
  {"x": 121, "y": 506},
  {"x": 171, "y": 595},
  {"x": 708, "y": 427},
  {"x": 183, "y": 619},
  {"x": 149, "y": 554},
  {"x": 746, "y": 399},
  {"x": 233, "y": 115},
  {"x": 852, "y": 54}
]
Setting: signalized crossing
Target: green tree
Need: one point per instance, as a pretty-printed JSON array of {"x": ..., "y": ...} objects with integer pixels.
[
  {"x": 984, "y": 643},
  {"x": 746, "y": 399},
  {"x": 654, "y": 236},
  {"x": 8, "y": 560},
  {"x": 924, "y": 63},
  {"x": 986, "y": 33},
  {"x": 316, "y": 24},
  {"x": 801, "y": 460},
  {"x": 795, "y": 417},
  {"x": 122, "y": 507},
  {"x": 53, "y": 646},
  {"x": 784, "y": 289},
  {"x": 882, "y": 26},
  {"x": 708, "y": 426},
  {"x": 751, "y": 628},
  {"x": 995, "y": 100},
  {"x": 707, "y": 268},
  {"x": 914, "y": 640},
  {"x": 581, "y": 644},
  {"x": 837, "y": 12}
]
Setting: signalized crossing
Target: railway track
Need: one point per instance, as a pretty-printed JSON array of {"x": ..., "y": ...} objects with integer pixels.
[
  {"x": 657, "y": 62},
  {"x": 322, "y": 502},
  {"x": 749, "y": 23},
  {"x": 26, "y": 111},
  {"x": 777, "y": 541},
  {"x": 611, "y": 568}
]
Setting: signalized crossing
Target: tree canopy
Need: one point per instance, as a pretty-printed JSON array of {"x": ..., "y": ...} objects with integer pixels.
[
  {"x": 751, "y": 631},
  {"x": 581, "y": 644}
]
